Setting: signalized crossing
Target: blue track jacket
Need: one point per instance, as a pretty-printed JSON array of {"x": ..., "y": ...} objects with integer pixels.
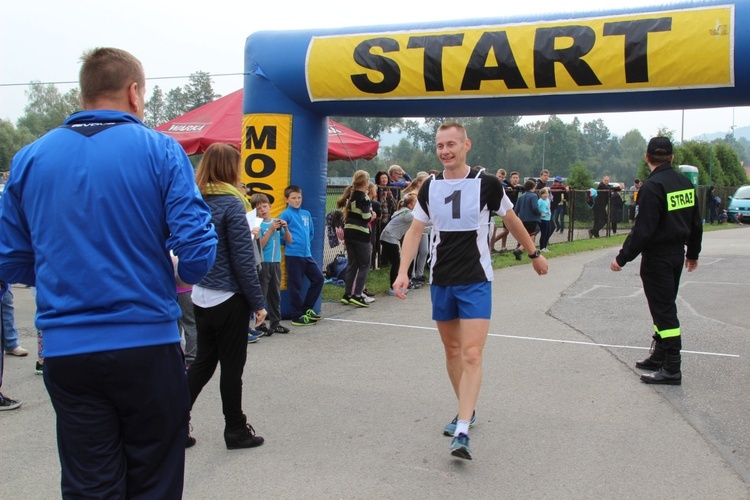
[
  {"x": 300, "y": 223},
  {"x": 89, "y": 215}
]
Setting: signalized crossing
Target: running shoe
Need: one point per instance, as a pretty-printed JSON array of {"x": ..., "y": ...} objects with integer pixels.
[
  {"x": 256, "y": 333},
  {"x": 345, "y": 299},
  {"x": 281, "y": 329},
  {"x": 368, "y": 299},
  {"x": 251, "y": 339},
  {"x": 303, "y": 320},
  {"x": 460, "y": 447},
  {"x": 450, "y": 429},
  {"x": 39, "y": 369},
  {"x": 313, "y": 315},
  {"x": 8, "y": 404},
  {"x": 358, "y": 301}
]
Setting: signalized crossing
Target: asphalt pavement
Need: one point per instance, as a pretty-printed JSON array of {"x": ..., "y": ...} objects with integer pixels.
[{"x": 354, "y": 407}]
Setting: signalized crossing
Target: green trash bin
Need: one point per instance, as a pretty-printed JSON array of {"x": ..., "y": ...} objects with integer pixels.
[{"x": 690, "y": 172}]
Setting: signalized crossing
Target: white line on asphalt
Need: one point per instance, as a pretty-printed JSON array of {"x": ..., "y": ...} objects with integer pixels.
[
  {"x": 689, "y": 282},
  {"x": 539, "y": 339}
]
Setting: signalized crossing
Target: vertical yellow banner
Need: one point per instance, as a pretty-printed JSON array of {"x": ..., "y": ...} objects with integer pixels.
[
  {"x": 266, "y": 160},
  {"x": 266, "y": 156}
]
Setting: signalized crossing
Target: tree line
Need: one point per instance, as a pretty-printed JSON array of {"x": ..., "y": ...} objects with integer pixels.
[{"x": 581, "y": 152}]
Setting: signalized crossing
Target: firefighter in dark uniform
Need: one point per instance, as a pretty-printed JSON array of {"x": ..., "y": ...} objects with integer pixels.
[{"x": 667, "y": 221}]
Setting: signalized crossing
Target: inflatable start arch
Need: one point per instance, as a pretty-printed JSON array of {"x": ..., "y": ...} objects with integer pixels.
[{"x": 677, "y": 56}]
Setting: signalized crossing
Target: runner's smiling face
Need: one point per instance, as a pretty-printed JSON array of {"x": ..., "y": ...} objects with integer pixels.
[{"x": 452, "y": 146}]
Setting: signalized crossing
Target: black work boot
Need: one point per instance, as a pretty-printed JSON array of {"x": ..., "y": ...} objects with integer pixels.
[
  {"x": 243, "y": 437},
  {"x": 656, "y": 356},
  {"x": 668, "y": 374}
]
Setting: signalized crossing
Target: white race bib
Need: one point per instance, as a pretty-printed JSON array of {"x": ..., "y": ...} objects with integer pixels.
[{"x": 454, "y": 204}]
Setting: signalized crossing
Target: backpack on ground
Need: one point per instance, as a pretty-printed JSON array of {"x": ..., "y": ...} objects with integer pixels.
[{"x": 336, "y": 269}]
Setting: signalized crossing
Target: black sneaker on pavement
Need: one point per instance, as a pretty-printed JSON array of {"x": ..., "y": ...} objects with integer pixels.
[
  {"x": 358, "y": 301},
  {"x": 303, "y": 320},
  {"x": 8, "y": 404},
  {"x": 39, "y": 369},
  {"x": 313, "y": 315},
  {"x": 280, "y": 329}
]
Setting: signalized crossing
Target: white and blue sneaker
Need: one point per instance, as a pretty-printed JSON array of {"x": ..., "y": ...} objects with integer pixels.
[
  {"x": 450, "y": 429},
  {"x": 460, "y": 447}
]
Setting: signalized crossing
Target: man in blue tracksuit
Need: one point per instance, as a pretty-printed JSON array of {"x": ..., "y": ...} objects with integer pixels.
[
  {"x": 667, "y": 233},
  {"x": 97, "y": 247}
]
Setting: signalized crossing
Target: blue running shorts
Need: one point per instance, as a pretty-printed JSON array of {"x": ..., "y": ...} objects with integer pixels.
[{"x": 472, "y": 301}]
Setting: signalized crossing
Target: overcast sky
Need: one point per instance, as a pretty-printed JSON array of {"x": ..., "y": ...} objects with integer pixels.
[{"x": 43, "y": 41}]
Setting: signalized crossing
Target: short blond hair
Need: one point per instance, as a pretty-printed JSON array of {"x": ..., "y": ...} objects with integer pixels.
[
  {"x": 456, "y": 125},
  {"x": 106, "y": 71}
]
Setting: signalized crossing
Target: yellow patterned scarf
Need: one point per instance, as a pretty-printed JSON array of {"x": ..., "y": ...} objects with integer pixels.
[{"x": 220, "y": 188}]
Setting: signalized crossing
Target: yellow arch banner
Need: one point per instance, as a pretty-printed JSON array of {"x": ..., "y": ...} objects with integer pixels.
[{"x": 637, "y": 52}]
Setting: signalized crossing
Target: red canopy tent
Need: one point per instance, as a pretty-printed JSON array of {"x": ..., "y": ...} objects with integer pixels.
[{"x": 221, "y": 121}]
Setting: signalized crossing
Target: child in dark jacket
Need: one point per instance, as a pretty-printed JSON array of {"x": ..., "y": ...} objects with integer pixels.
[{"x": 527, "y": 209}]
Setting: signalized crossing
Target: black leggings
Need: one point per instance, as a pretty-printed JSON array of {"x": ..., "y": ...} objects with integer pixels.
[
  {"x": 222, "y": 338},
  {"x": 392, "y": 253}
]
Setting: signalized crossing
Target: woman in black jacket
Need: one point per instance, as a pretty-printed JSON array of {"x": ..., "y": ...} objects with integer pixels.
[{"x": 226, "y": 297}]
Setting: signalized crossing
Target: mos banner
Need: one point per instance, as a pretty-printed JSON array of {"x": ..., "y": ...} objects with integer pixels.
[{"x": 266, "y": 156}]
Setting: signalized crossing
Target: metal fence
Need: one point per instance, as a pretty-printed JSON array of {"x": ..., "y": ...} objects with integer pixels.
[{"x": 579, "y": 218}]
